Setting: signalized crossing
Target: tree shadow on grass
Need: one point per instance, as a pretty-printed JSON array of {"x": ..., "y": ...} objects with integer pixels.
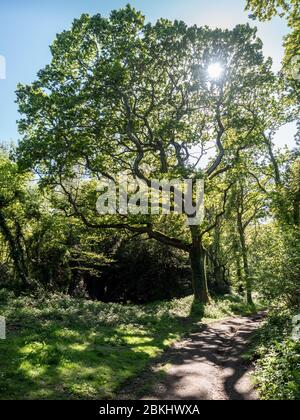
[
  {"x": 71, "y": 349},
  {"x": 56, "y": 355}
]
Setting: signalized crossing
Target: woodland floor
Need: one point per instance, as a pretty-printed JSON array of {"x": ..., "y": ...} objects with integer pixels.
[
  {"x": 207, "y": 365},
  {"x": 58, "y": 347}
]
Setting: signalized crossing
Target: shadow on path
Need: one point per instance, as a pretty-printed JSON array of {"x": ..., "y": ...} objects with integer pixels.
[{"x": 205, "y": 366}]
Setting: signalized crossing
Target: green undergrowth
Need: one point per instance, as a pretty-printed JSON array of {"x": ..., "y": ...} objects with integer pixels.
[
  {"x": 58, "y": 347},
  {"x": 276, "y": 355}
]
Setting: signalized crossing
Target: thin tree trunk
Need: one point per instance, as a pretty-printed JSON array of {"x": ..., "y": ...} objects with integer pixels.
[
  {"x": 239, "y": 273},
  {"x": 198, "y": 266},
  {"x": 245, "y": 261},
  {"x": 219, "y": 270}
]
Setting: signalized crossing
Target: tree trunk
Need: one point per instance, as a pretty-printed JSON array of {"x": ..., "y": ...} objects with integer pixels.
[
  {"x": 16, "y": 253},
  {"x": 221, "y": 285},
  {"x": 248, "y": 284},
  {"x": 198, "y": 266},
  {"x": 239, "y": 273}
]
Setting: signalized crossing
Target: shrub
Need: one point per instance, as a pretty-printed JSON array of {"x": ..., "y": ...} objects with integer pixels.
[{"x": 277, "y": 373}]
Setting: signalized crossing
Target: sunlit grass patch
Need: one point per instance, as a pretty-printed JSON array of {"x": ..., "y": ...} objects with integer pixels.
[{"x": 63, "y": 348}]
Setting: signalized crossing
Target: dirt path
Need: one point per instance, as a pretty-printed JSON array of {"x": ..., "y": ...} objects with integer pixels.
[{"x": 205, "y": 366}]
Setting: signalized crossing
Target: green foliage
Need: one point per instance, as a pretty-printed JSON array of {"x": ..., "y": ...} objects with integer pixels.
[
  {"x": 120, "y": 94},
  {"x": 17, "y": 205},
  {"x": 277, "y": 271},
  {"x": 277, "y": 373},
  {"x": 266, "y": 9},
  {"x": 138, "y": 97},
  {"x": 290, "y": 10}
]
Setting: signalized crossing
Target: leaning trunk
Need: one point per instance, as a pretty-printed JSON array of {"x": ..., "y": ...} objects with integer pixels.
[{"x": 198, "y": 266}]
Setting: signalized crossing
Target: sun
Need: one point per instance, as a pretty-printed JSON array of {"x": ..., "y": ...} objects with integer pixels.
[{"x": 215, "y": 70}]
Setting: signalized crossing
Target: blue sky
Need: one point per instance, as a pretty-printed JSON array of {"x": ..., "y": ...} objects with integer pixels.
[{"x": 28, "y": 27}]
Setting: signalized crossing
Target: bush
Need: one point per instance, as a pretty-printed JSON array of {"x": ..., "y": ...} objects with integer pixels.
[{"x": 277, "y": 373}]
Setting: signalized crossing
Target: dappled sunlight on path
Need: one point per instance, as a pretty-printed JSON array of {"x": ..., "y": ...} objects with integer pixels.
[{"x": 205, "y": 366}]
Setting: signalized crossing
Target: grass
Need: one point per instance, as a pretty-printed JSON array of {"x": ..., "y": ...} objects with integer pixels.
[{"x": 58, "y": 347}]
